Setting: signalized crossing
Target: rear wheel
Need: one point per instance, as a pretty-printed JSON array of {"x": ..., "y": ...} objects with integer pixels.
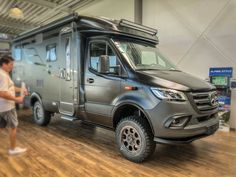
[
  {"x": 41, "y": 117},
  {"x": 135, "y": 139}
]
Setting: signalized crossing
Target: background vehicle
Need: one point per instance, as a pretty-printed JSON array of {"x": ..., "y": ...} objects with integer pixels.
[{"x": 110, "y": 73}]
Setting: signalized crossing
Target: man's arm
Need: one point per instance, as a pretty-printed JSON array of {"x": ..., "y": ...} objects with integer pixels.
[
  {"x": 7, "y": 96},
  {"x": 18, "y": 90}
]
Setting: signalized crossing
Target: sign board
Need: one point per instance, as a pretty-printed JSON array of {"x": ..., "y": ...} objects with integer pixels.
[{"x": 226, "y": 71}]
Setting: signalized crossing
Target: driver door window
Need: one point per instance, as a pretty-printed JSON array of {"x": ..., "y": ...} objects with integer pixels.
[{"x": 98, "y": 49}]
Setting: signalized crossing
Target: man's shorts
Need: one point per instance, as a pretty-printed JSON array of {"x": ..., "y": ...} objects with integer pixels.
[{"x": 8, "y": 119}]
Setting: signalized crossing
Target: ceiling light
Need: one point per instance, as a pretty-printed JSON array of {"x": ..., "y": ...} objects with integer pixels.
[{"x": 16, "y": 12}]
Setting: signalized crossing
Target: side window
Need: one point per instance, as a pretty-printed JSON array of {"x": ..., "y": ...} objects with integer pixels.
[
  {"x": 32, "y": 56},
  {"x": 17, "y": 53},
  {"x": 113, "y": 60},
  {"x": 51, "y": 52},
  {"x": 97, "y": 49},
  {"x": 68, "y": 55}
]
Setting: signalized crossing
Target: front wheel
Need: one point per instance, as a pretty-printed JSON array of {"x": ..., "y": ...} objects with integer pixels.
[
  {"x": 135, "y": 139},
  {"x": 41, "y": 117}
]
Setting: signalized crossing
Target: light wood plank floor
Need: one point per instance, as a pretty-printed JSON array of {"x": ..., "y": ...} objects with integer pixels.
[{"x": 66, "y": 149}]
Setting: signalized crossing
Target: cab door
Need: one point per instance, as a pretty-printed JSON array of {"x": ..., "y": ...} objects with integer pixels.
[{"x": 101, "y": 89}]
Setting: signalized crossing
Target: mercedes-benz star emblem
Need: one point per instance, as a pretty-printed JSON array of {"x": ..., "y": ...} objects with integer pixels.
[{"x": 213, "y": 99}]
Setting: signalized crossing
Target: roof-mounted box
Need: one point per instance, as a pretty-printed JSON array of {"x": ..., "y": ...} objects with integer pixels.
[{"x": 138, "y": 27}]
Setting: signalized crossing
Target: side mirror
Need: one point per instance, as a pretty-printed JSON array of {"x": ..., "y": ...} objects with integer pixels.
[
  {"x": 116, "y": 70},
  {"x": 103, "y": 64}
]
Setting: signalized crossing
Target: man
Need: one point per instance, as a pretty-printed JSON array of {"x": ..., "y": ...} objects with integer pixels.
[{"x": 8, "y": 116}]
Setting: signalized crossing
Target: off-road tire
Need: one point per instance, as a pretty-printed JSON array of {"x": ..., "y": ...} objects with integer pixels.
[
  {"x": 41, "y": 117},
  {"x": 135, "y": 138}
]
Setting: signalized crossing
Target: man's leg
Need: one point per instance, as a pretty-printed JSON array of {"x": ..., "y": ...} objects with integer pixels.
[
  {"x": 13, "y": 149},
  {"x": 13, "y": 138},
  {"x": 13, "y": 123},
  {"x": 3, "y": 123}
]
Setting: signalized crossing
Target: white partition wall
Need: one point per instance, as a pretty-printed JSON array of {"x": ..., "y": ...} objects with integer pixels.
[
  {"x": 195, "y": 34},
  {"x": 4, "y": 45},
  {"x": 115, "y": 9}
]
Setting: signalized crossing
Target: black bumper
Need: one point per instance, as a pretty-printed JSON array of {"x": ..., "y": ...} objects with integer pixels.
[
  {"x": 174, "y": 141},
  {"x": 195, "y": 128}
]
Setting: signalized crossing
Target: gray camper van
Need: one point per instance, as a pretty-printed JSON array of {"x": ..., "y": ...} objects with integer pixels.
[{"x": 110, "y": 73}]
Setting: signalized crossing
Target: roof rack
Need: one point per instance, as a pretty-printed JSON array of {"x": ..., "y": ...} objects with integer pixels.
[{"x": 146, "y": 29}]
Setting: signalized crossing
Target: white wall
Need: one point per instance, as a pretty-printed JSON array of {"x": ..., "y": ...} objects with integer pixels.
[
  {"x": 115, "y": 9},
  {"x": 195, "y": 34},
  {"x": 4, "y": 46}
]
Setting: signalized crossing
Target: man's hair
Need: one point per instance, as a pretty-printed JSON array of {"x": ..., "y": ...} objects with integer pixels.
[{"x": 5, "y": 59}]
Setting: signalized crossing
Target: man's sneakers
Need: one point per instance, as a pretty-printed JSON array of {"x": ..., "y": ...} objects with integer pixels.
[{"x": 17, "y": 150}]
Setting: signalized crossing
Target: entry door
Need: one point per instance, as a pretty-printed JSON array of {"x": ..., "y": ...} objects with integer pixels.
[{"x": 66, "y": 73}]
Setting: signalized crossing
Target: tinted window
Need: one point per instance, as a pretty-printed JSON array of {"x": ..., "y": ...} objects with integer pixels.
[
  {"x": 17, "y": 53},
  {"x": 32, "y": 56},
  {"x": 96, "y": 50},
  {"x": 68, "y": 57},
  {"x": 113, "y": 60},
  {"x": 102, "y": 48},
  {"x": 51, "y": 52}
]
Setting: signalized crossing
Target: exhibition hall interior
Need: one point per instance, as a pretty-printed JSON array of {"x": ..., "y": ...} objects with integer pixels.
[{"x": 122, "y": 88}]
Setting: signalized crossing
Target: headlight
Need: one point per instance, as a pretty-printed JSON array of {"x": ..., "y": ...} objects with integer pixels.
[{"x": 168, "y": 94}]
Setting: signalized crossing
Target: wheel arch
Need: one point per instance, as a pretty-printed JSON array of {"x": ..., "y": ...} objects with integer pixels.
[
  {"x": 35, "y": 97},
  {"x": 127, "y": 109}
]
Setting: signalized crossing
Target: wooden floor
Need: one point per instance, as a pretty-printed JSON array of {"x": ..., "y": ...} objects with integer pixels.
[{"x": 66, "y": 149}]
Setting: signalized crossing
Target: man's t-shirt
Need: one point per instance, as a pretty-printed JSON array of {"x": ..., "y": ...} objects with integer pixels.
[{"x": 6, "y": 85}]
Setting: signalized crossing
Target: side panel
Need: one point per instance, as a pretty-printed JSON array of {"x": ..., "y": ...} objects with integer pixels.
[
  {"x": 37, "y": 70},
  {"x": 47, "y": 63}
]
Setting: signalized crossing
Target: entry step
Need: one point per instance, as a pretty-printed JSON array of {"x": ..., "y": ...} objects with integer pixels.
[{"x": 69, "y": 118}]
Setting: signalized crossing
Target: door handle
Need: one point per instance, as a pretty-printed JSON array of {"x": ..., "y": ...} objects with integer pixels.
[
  {"x": 90, "y": 80},
  {"x": 49, "y": 71}
]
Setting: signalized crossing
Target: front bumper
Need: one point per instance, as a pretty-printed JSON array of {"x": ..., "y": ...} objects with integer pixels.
[
  {"x": 202, "y": 132},
  {"x": 197, "y": 126}
]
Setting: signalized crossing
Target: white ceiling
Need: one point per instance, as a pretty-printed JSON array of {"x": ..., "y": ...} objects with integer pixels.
[{"x": 36, "y": 13}]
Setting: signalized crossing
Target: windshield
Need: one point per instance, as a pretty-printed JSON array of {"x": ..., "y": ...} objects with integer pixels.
[{"x": 144, "y": 57}]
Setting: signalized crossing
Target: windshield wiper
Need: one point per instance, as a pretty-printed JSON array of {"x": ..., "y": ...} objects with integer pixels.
[
  {"x": 173, "y": 70},
  {"x": 145, "y": 69}
]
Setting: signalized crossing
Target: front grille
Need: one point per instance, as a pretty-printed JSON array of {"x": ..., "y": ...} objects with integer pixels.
[{"x": 205, "y": 101}]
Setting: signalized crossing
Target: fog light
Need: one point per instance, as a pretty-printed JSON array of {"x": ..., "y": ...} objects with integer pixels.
[{"x": 178, "y": 121}]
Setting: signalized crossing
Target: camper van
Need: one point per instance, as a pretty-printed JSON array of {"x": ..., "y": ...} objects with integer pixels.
[{"x": 110, "y": 73}]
